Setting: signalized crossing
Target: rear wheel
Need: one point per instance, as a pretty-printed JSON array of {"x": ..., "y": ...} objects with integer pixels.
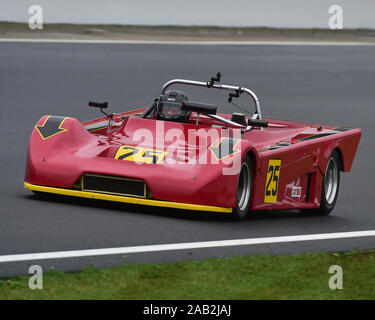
[
  {"x": 244, "y": 189},
  {"x": 330, "y": 187}
]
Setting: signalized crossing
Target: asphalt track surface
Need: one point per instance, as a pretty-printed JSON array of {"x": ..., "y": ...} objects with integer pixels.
[{"x": 323, "y": 84}]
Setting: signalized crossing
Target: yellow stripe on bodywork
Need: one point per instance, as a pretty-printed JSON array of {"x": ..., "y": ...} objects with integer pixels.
[{"x": 109, "y": 197}]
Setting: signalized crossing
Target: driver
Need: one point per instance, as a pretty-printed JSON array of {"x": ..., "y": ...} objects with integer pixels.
[{"x": 169, "y": 107}]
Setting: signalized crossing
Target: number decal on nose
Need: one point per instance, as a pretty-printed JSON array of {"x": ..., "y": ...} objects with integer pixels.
[{"x": 141, "y": 155}]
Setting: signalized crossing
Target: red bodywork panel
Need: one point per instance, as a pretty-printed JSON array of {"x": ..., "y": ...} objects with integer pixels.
[{"x": 60, "y": 159}]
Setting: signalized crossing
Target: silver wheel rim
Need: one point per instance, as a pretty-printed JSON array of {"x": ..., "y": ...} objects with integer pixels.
[
  {"x": 331, "y": 180},
  {"x": 244, "y": 187}
]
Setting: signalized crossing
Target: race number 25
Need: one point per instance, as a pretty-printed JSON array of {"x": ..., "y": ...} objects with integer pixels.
[
  {"x": 140, "y": 155},
  {"x": 272, "y": 181}
]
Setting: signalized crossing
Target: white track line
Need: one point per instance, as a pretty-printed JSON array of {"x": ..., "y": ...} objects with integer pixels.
[
  {"x": 205, "y": 43},
  {"x": 183, "y": 246}
]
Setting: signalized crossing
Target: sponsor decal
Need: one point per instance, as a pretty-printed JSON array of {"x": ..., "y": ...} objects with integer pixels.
[{"x": 296, "y": 192}]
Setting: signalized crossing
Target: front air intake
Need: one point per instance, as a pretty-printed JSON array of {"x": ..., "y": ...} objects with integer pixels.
[{"x": 113, "y": 185}]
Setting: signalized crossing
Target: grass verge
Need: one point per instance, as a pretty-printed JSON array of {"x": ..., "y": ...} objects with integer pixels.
[{"x": 300, "y": 276}]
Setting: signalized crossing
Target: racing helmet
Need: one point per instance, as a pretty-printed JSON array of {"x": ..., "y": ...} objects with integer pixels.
[{"x": 170, "y": 107}]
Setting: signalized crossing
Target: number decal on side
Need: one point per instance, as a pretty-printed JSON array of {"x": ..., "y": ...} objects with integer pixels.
[
  {"x": 272, "y": 181},
  {"x": 141, "y": 155}
]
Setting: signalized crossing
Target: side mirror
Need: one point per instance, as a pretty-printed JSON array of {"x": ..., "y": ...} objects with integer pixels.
[{"x": 101, "y": 105}]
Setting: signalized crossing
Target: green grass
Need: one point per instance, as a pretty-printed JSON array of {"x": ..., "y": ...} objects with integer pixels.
[{"x": 301, "y": 276}]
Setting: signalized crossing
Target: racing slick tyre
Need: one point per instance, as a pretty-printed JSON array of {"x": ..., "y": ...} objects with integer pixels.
[
  {"x": 330, "y": 187},
  {"x": 244, "y": 190}
]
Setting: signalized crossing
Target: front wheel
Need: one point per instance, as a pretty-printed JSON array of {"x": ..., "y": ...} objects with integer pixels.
[{"x": 244, "y": 189}]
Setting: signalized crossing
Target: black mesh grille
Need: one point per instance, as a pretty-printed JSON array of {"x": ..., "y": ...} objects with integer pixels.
[{"x": 113, "y": 185}]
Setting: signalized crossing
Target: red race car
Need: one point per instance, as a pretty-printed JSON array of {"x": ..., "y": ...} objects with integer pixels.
[{"x": 184, "y": 154}]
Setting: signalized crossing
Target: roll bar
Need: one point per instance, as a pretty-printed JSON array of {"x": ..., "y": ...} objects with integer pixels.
[{"x": 211, "y": 84}]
